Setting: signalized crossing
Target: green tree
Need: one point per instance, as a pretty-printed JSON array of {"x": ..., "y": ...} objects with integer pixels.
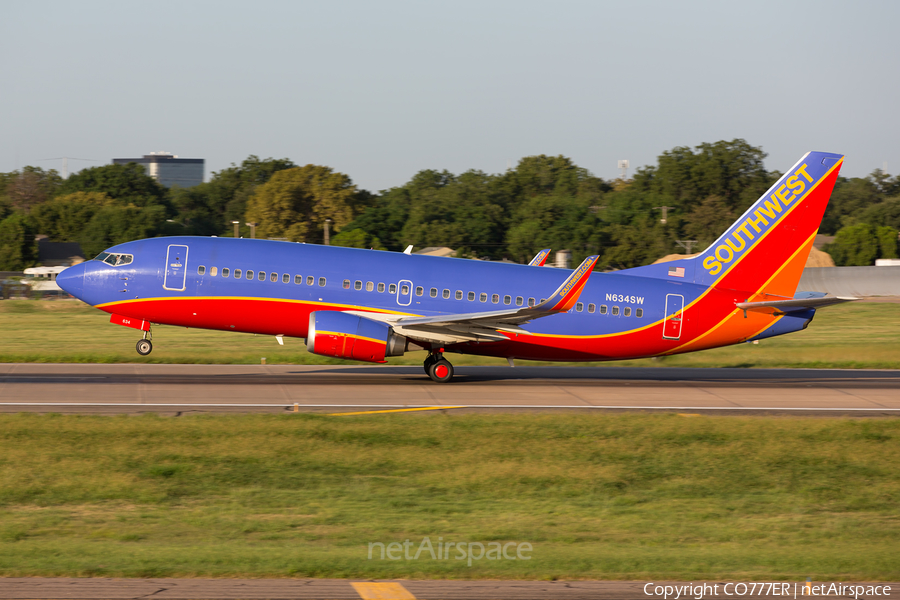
[
  {"x": 128, "y": 184},
  {"x": 25, "y": 189},
  {"x": 357, "y": 238},
  {"x": 209, "y": 208},
  {"x": 117, "y": 224},
  {"x": 17, "y": 246},
  {"x": 65, "y": 218},
  {"x": 887, "y": 242},
  {"x": 558, "y": 222},
  {"x": 855, "y": 245},
  {"x": 295, "y": 203},
  {"x": 732, "y": 171}
]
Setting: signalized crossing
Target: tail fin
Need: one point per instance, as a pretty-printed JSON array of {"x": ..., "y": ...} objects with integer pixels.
[{"x": 766, "y": 249}]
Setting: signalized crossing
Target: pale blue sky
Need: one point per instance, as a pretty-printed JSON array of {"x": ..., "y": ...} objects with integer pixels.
[{"x": 381, "y": 90}]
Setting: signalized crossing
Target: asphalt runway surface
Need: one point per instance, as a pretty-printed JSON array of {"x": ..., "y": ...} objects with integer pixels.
[
  {"x": 185, "y": 389},
  {"x": 342, "y": 589}
]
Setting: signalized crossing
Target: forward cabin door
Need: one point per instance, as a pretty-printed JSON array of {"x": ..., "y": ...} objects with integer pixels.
[
  {"x": 176, "y": 268},
  {"x": 674, "y": 309}
]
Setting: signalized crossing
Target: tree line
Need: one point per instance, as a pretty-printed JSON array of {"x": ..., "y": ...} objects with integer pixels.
[{"x": 544, "y": 202}]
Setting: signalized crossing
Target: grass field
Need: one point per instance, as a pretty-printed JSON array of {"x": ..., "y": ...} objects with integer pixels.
[
  {"x": 597, "y": 496},
  {"x": 860, "y": 335}
]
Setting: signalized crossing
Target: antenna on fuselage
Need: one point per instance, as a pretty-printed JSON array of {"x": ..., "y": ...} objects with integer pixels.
[{"x": 408, "y": 249}]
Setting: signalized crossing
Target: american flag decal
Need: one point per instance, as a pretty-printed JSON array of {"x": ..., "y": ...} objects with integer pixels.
[{"x": 676, "y": 271}]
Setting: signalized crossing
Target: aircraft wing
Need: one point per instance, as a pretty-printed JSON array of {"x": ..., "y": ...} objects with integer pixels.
[{"x": 489, "y": 325}]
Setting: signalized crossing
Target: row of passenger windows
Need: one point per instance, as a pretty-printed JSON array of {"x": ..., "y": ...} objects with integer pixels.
[
  {"x": 404, "y": 290},
  {"x": 482, "y": 297},
  {"x": 260, "y": 275}
]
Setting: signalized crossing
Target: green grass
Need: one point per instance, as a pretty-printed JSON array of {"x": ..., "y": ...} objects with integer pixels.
[
  {"x": 598, "y": 496},
  {"x": 860, "y": 335}
]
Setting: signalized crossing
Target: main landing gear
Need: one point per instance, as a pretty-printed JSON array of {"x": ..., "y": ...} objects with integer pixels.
[
  {"x": 437, "y": 367},
  {"x": 144, "y": 345}
]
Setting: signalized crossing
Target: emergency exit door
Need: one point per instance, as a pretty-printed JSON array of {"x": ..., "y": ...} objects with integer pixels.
[{"x": 674, "y": 310}]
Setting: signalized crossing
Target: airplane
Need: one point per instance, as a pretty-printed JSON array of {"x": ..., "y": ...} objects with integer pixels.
[{"x": 366, "y": 305}]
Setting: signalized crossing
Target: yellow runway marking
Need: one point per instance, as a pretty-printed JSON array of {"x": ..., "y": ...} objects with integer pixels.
[
  {"x": 382, "y": 591},
  {"x": 394, "y": 410}
]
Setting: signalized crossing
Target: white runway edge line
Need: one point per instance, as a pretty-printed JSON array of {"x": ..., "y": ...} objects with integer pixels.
[{"x": 458, "y": 406}]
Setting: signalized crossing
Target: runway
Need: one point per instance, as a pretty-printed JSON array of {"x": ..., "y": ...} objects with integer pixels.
[
  {"x": 343, "y": 589},
  {"x": 185, "y": 389}
]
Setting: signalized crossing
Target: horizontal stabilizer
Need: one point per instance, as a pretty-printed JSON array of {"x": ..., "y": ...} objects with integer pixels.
[{"x": 794, "y": 304}]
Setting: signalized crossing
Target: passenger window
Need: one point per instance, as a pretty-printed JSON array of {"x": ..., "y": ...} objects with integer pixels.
[
  {"x": 507, "y": 299},
  {"x": 225, "y": 272},
  {"x": 591, "y": 308},
  {"x": 201, "y": 270},
  {"x": 470, "y": 296},
  {"x": 392, "y": 288},
  {"x": 213, "y": 271},
  {"x": 298, "y": 279},
  {"x": 380, "y": 287},
  {"x": 322, "y": 282},
  {"x": 249, "y": 274},
  {"x": 495, "y": 298},
  {"x": 445, "y": 294},
  {"x": 531, "y": 302},
  {"x": 602, "y": 309},
  {"x": 459, "y": 294},
  {"x": 237, "y": 273},
  {"x": 404, "y": 289},
  {"x": 433, "y": 292},
  {"x": 346, "y": 284},
  {"x": 615, "y": 310},
  {"x": 310, "y": 280},
  {"x": 420, "y": 291},
  {"x": 273, "y": 277},
  {"x": 579, "y": 307},
  {"x": 261, "y": 275},
  {"x": 357, "y": 285},
  {"x": 370, "y": 286},
  {"x": 627, "y": 311},
  {"x": 520, "y": 301},
  {"x": 285, "y": 278},
  {"x": 639, "y": 312},
  {"x": 482, "y": 297}
]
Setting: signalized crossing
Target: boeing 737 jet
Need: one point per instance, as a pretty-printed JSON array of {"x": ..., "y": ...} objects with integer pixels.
[{"x": 366, "y": 305}]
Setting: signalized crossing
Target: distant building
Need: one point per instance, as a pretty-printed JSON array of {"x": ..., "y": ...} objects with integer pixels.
[
  {"x": 437, "y": 251},
  {"x": 168, "y": 169},
  {"x": 58, "y": 254}
]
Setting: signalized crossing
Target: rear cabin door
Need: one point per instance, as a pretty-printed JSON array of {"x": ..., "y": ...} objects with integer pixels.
[
  {"x": 176, "y": 268},
  {"x": 674, "y": 309},
  {"x": 404, "y": 292}
]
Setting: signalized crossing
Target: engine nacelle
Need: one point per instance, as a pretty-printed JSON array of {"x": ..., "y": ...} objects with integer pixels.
[{"x": 342, "y": 335}]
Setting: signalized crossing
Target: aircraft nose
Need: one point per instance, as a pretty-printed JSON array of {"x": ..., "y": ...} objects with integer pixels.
[{"x": 72, "y": 280}]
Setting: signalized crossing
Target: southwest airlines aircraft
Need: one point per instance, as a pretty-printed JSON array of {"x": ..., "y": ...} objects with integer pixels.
[{"x": 368, "y": 304}]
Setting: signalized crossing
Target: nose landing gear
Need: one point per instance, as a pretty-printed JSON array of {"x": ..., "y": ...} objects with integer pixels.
[
  {"x": 437, "y": 367},
  {"x": 144, "y": 345}
]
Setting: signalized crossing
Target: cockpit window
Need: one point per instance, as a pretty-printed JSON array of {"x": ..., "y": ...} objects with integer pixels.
[{"x": 115, "y": 260}]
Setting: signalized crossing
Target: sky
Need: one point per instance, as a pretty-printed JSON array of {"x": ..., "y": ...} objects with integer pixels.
[{"x": 382, "y": 90}]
